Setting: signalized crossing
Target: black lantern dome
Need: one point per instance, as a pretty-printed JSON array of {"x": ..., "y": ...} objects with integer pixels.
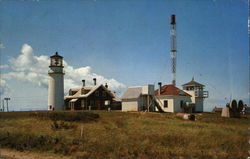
[{"x": 56, "y": 60}]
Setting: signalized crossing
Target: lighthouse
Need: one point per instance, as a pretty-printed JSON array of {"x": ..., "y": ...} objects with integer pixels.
[{"x": 56, "y": 82}]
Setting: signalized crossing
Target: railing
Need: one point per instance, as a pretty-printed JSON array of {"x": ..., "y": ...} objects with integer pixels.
[
  {"x": 203, "y": 94},
  {"x": 50, "y": 71}
]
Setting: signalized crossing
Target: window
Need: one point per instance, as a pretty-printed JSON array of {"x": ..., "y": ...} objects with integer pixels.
[
  {"x": 181, "y": 104},
  {"x": 83, "y": 103},
  {"x": 96, "y": 93},
  {"x": 107, "y": 102},
  {"x": 92, "y": 103},
  {"x": 104, "y": 94},
  {"x": 165, "y": 103}
]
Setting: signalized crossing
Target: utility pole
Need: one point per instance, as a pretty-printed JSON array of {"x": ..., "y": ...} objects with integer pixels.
[
  {"x": 173, "y": 48},
  {"x": 7, "y": 99}
]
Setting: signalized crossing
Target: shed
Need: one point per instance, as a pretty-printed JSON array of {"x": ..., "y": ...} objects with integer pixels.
[{"x": 138, "y": 98}]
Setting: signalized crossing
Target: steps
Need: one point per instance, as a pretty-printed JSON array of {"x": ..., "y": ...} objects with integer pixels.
[{"x": 158, "y": 104}]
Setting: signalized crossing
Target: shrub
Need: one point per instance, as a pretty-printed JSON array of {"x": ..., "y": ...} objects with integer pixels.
[
  {"x": 25, "y": 141},
  {"x": 57, "y": 125},
  {"x": 66, "y": 116}
]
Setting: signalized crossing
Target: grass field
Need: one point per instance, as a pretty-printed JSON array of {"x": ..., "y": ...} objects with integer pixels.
[{"x": 101, "y": 134}]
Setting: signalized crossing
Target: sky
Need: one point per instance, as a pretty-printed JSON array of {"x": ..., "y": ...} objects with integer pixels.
[{"x": 124, "y": 43}]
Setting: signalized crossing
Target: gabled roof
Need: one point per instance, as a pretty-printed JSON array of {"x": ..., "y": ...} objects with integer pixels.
[
  {"x": 91, "y": 89},
  {"x": 193, "y": 83},
  {"x": 132, "y": 93},
  {"x": 75, "y": 89},
  {"x": 169, "y": 89}
]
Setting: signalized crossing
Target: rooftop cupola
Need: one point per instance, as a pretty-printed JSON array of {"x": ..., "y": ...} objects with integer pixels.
[
  {"x": 193, "y": 85},
  {"x": 197, "y": 87}
]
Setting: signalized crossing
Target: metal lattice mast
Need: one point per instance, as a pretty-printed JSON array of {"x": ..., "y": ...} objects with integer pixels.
[{"x": 173, "y": 48}]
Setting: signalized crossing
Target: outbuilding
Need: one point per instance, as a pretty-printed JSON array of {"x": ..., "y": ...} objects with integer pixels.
[{"x": 138, "y": 98}]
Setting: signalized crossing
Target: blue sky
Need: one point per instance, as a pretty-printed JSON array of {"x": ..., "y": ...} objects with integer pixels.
[{"x": 128, "y": 41}]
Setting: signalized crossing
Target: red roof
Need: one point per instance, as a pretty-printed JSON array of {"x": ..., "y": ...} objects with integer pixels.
[{"x": 169, "y": 89}]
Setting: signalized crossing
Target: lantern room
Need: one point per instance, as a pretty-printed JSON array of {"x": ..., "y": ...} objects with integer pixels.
[{"x": 56, "y": 60}]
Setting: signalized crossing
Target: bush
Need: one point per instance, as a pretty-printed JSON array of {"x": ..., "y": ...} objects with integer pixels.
[
  {"x": 61, "y": 125},
  {"x": 25, "y": 141},
  {"x": 67, "y": 116}
]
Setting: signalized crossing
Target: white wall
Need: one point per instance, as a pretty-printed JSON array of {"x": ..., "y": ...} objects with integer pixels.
[
  {"x": 56, "y": 91},
  {"x": 177, "y": 102},
  {"x": 173, "y": 102},
  {"x": 197, "y": 100},
  {"x": 192, "y": 93},
  {"x": 130, "y": 105},
  {"x": 148, "y": 89},
  {"x": 170, "y": 107}
]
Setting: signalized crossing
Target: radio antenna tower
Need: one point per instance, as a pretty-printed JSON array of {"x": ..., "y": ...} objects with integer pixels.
[{"x": 173, "y": 48}]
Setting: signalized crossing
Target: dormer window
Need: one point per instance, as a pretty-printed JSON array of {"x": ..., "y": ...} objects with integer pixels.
[{"x": 85, "y": 91}]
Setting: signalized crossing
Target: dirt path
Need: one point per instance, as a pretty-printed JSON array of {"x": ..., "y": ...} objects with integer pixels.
[{"x": 13, "y": 154}]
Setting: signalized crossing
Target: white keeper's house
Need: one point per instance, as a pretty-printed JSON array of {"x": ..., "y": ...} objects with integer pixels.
[{"x": 171, "y": 99}]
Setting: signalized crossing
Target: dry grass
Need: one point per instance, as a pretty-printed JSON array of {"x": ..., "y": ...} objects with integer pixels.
[{"x": 128, "y": 135}]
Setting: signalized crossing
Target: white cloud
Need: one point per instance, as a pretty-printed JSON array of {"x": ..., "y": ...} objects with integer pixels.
[
  {"x": 4, "y": 66},
  {"x": 34, "y": 69},
  {"x": 32, "y": 77},
  {"x": 3, "y": 87},
  {"x": 27, "y": 61}
]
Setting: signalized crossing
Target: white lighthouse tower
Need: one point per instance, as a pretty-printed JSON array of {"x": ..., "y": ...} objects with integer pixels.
[{"x": 56, "y": 82}]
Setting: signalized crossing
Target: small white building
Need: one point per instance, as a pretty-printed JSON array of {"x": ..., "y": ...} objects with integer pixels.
[
  {"x": 139, "y": 98},
  {"x": 169, "y": 98},
  {"x": 196, "y": 90}
]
